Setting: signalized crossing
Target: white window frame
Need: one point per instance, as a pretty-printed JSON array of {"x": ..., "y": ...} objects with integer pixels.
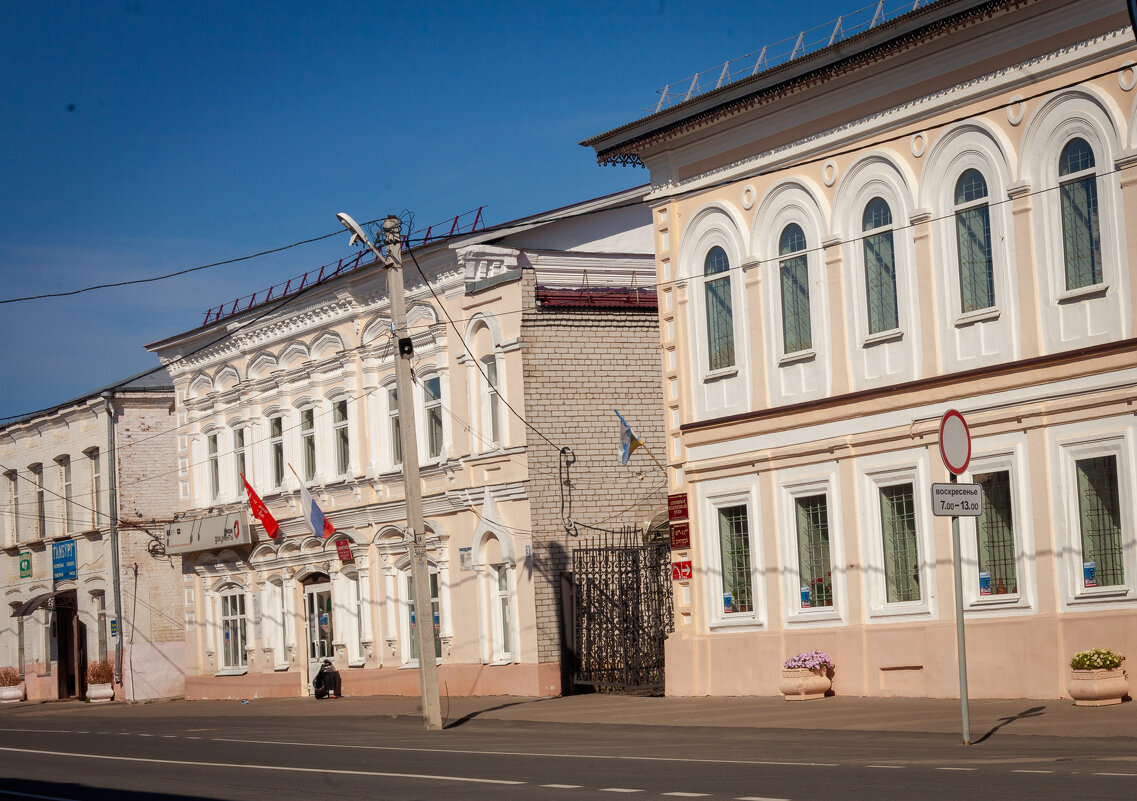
[
  {"x": 351, "y": 628},
  {"x": 715, "y": 496},
  {"x": 213, "y": 466},
  {"x": 309, "y": 452},
  {"x": 240, "y": 459},
  {"x": 40, "y": 519},
  {"x": 1072, "y": 443},
  {"x": 492, "y": 433},
  {"x": 1102, "y": 198},
  {"x": 392, "y": 458},
  {"x": 1004, "y": 453},
  {"x": 233, "y": 591},
  {"x": 341, "y": 430},
  {"x": 502, "y": 621},
  {"x": 874, "y": 474},
  {"x": 410, "y": 655},
  {"x": 13, "y": 482},
  {"x": 95, "y": 469},
  {"x": 67, "y": 491},
  {"x": 424, "y": 409},
  {"x": 275, "y": 615},
  {"x": 804, "y": 483},
  {"x": 275, "y": 446}
]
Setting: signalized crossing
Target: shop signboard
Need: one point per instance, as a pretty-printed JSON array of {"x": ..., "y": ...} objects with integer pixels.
[
  {"x": 25, "y": 565},
  {"x": 63, "y": 560},
  {"x": 207, "y": 533}
]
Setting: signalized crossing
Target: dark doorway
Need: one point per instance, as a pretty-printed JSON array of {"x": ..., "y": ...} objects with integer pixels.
[{"x": 67, "y": 649}]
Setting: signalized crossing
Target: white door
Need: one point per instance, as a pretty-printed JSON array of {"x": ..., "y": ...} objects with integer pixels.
[{"x": 318, "y": 611}]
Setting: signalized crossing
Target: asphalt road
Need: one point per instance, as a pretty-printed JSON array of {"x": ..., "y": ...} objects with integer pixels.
[{"x": 123, "y": 755}]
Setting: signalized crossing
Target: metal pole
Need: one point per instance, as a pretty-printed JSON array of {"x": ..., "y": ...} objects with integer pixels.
[
  {"x": 112, "y": 508},
  {"x": 420, "y": 571},
  {"x": 961, "y": 644}
]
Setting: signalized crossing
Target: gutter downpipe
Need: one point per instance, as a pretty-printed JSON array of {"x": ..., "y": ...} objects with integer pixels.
[{"x": 112, "y": 506}]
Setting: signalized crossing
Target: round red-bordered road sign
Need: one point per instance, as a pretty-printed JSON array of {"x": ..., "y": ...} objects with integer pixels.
[{"x": 955, "y": 442}]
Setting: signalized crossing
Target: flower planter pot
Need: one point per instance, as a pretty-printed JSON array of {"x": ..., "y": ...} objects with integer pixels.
[
  {"x": 803, "y": 684},
  {"x": 10, "y": 695},
  {"x": 100, "y": 693},
  {"x": 1098, "y": 687}
]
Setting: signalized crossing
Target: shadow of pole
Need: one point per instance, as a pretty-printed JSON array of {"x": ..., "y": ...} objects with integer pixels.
[{"x": 1033, "y": 712}]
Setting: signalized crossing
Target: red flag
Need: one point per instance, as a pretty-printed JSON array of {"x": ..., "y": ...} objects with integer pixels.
[{"x": 260, "y": 511}]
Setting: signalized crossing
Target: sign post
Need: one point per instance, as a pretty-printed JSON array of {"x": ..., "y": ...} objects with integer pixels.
[{"x": 955, "y": 450}]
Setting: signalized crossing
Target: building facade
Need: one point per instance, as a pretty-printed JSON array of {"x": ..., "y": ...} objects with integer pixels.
[
  {"x": 936, "y": 213},
  {"x": 525, "y": 337},
  {"x": 65, "y": 607}
]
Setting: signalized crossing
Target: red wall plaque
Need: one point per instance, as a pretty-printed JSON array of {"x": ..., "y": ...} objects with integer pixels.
[
  {"x": 681, "y": 571},
  {"x": 680, "y": 535},
  {"x": 677, "y": 506},
  {"x": 343, "y": 550}
]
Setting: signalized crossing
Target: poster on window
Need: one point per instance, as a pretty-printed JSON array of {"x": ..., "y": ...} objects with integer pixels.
[
  {"x": 1090, "y": 574},
  {"x": 984, "y": 583},
  {"x": 727, "y": 603},
  {"x": 805, "y": 604}
]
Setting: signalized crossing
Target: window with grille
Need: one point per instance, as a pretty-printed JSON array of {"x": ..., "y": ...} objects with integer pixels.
[
  {"x": 720, "y": 315},
  {"x": 276, "y": 448},
  {"x": 901, "y": 552},
  {"x": 393, "y": 427},
  {"x": 812, "y": 516},
  {"x": 794, "y": 271},
  {"x": 1099, "y": 516},
  {"x": 432, "y": 397},
  {"x": 214, "y": 467},
  {"x": 1081, "y": 228},
  {"x": 734, "y": 542},
  {"x": 239, "y": 460},
  {"x": 995, "y": 534},
  {"x": 343, "y": 443},
  {"x": 308, "y": 442},
  {"x": 233, "y": 654},
  {"x": 880, "y": 267},
  {"x": 973, "y": 239}
]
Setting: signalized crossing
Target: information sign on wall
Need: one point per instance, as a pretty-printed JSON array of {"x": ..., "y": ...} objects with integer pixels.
[
  {"x": 204, "y": 533},
  {"x": 681, "y": 571},
  {"x": 343, "y": 550},
  {"x": 466, "y": 559},
  {"x": 25, "y": 565},
  {"x": 63, "y": 560},
  {"x": 677, "y": 506},
  {"x": 680, "y": 535}
]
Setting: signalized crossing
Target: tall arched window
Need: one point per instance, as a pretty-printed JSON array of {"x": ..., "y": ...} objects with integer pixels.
[
  {"x": 794, "y": 269},
  {"x": 1081, "y": 230},
  {"x": 880, "y": 266},
  {"x": 973, "y": 235},
  {"x": 720, "y": 317}
]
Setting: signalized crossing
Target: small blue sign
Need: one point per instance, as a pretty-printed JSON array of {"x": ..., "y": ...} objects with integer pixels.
[
  {"x": 805, "y": 598},
  {"x": 1090, "y": 574},
  {"x": 727, "y": 603},
  {"x": 984, "y": 583},
  {"x": 63, "y": 560}
]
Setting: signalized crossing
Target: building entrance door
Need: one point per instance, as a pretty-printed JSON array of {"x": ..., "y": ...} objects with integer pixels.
[
  {"x": 66, "y": 626},
  {"x": 318, "y": 610}
]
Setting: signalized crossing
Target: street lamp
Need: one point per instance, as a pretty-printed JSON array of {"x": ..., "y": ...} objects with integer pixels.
[{"x": 420, "y": 571}]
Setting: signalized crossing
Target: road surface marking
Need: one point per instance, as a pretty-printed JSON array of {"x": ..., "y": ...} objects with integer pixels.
[
  {"x": 689, "y": 795},
  {"x": 527, "y": 753},
  {"x": 759, "y": 798},
  {"x": 45, "y": 731},
  {"x": 562, "y": 786},
  {"x": 1032, "y": 771},
  {"x": 956, "y": 768},
  {"x": 618, "y": 790},
  {"x": 1115, "y": 774},
  {"x": 285, "y": 768},
  {"x": 891, "y": 767}
]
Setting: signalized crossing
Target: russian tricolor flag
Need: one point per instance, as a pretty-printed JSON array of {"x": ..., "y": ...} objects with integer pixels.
[{"x": 314, "y": 515}]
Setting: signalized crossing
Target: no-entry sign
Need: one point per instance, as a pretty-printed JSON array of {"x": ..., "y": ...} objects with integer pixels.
[{"x": 955, "y": 442}]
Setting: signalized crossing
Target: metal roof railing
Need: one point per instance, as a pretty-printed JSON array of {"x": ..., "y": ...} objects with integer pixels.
[
  {"x": 345, "y": 265},
  {"x": 784, "y": 51}
]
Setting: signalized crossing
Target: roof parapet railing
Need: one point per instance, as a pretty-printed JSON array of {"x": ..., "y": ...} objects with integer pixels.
[
  {"x": 785, "y": 50},
  {"x": 318, "y": 275}
]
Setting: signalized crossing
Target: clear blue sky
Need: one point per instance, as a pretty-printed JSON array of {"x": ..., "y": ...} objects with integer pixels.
[{"x": 139, "y": 137}]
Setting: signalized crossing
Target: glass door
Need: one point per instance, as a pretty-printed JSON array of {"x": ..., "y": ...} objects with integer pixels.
[{"x": 318, "y": 609}]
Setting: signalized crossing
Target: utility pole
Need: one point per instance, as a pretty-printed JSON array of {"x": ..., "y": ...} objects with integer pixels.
[{"x": 420, "y": 570}]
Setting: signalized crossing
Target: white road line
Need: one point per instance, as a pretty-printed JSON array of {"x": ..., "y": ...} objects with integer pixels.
[
  {"x": 759, "y": 798},
  {"x": 618, "y": 790},
  {"x": 33, "y": 795},
  {"x": 890, "y": 767},
  {"x": 1115, "y": 774},
  {"x": 527, "y": 753},
  {"x": 956, "y": 768},
  {"x": 1032, "y": 771},
  {"x": 689, "y": 795},
  {"x": 45, "y": 731},
  {"x": 562, "y": 786},
  {"x": 285, "y": 768}
]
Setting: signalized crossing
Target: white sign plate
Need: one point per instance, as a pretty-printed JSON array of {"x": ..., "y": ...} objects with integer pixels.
[
  {"x": 955, "y": 442},
  {"x": 957, "y": 500}
]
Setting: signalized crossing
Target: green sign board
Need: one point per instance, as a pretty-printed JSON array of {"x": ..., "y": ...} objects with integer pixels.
[{"x": 25, "y": 565}]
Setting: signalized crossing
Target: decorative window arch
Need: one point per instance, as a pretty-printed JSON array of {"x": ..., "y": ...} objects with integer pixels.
[
  {"x": 1070, "y": 146},
  {"x": 484, "y": 379},
  {"x": 494, "y": 561}
]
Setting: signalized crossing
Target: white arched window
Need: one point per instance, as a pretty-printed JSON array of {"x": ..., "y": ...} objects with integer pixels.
[
  {"x": 719, "y": 309},
  {"x": 973, "y": 242},
  {"x": 1081, "y": 229},
  {"x": 501, "y": 602},
  {"x": 879, "y": 250},
  {"x": 411, "y": 624},
  {"x": 433, "y": 438},
  {"x": 491, "y": 402},
  {"x": 232, "y": 629},
  {"x": 793, "y": 271}
]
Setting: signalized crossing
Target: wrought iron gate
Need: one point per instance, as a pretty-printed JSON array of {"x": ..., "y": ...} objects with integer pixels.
[{"x": 622, "y": 612}]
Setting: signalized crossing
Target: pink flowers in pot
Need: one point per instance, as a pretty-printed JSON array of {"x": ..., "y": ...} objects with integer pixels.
[{"x": 817, "y": 661}]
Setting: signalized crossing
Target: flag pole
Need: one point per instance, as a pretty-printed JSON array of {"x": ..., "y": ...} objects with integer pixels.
[{"x": 652, "y": 455}]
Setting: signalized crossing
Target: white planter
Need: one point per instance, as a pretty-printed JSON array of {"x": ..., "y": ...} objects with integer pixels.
[
  {"x": 803, "y": 684},
  {"x": 10, "y": 695},
  {"x": 100, "y": 693},
  {"x": 1098, "y": 687}
]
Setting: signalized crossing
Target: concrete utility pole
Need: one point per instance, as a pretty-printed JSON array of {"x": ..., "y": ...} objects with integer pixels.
[
  {"x": 112, "y": 516},
  {"x": 420, "y": 570}
]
